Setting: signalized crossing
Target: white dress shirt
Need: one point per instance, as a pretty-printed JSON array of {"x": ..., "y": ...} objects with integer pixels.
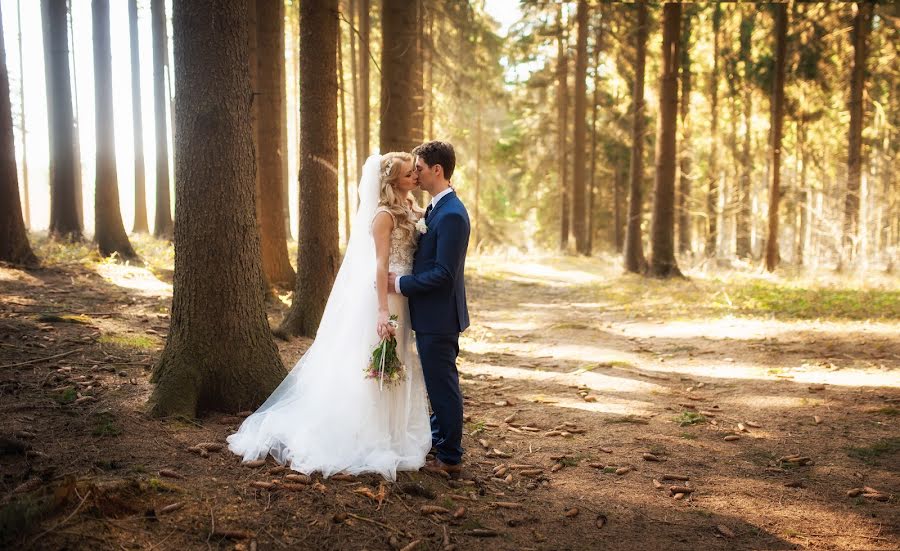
[{"x": 434, "y": 202}]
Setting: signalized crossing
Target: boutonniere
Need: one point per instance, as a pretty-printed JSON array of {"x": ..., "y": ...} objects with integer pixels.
[{"x": 421, "y": 227}]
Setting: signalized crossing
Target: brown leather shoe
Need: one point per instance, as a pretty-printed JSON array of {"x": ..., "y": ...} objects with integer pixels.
[{"x": 438, "y": 467}]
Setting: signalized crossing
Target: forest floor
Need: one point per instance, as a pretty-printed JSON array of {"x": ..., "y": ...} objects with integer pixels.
[{"x": 590, "y": 398}]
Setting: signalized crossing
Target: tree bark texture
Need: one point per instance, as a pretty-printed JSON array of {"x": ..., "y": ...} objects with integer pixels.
[{"x": 219, "y": 354}]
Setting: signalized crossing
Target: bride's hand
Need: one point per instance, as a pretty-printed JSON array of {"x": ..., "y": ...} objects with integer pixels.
[{"x": 383, "y": 326}]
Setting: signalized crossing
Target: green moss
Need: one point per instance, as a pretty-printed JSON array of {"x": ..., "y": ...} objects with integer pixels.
[
  {"x": 687, "y": 418},
  {"x": 139, "y": 342}
]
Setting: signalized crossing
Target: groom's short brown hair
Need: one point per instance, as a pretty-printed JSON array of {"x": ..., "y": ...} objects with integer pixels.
[{"x": 438, "y": 153}]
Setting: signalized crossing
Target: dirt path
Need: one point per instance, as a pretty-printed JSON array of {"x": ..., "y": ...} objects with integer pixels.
[{"x": 578, "y": 403}]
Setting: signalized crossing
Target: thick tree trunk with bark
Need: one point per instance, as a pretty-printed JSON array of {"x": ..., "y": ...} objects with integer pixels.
[
  {"x": 401, "y": 101},
  {"x": 592, "y": 181},
  {"x": 64, "y": 219},
  {"x": 562, "y": 116},
  {"x": 162, "y": 226},
  {"x": 862, "y": 28},
  {"x": 219, "y": 354},
  {"x": 14, "y": 245},
  {"x": 317, "y": 248},
  {"x": 685, "y": 149},
  {"x": 109, "y": 230},
  {"x": 579, "y": 219},
  {"x": 712, "y": 196},
  {"x": 140, "y": 187},
  {"x": 269, "y": 99},
  {"x": 345, "y": 165},
  {"x": 634, "y": 248},
  {"x": 742, "y": 222},
  {"x": 662, "y": 233},
  {"x": 772, "y": 256}
]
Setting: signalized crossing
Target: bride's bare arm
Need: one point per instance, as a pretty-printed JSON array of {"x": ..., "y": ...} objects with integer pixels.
[{"x": 381, "y": 231}]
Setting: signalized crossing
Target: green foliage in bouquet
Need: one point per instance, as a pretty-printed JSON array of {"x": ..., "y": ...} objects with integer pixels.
[{"x": 384, "y": 364}]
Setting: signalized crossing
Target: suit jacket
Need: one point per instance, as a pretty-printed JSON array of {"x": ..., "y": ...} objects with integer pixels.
[{"x": 436, "y": 289}]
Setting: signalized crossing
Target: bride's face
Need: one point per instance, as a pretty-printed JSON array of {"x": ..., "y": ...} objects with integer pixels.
[{"x": 408, "y": 179}]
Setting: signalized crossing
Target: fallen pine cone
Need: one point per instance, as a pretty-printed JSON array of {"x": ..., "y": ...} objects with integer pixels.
[
  {"x": 484, "y": 443},
  {"x": 459, "y": 513},
  {"x": 262, "y": 485},
  {"x": 725, "y": 531},
  {"x": 298, "y": 478},
  {"x": 210, "y": 446},
  {"x": 657, "y": 484},
  {"x": 343, "y": 477},
  {"x": 650, "y": 457},
  {"x": 679, "y": 495},
  {"x": 675, "y": 477},
  {"x": 731, "y": 438},
  {"x": 853, "y": 492},
  {"x": 680, "y": 490},
  {"x": 506, "y": 505},
  {"x": 169, "y": 473},
  {"x": 573, "y": 512},
  {"x": 623, "y": 470},
  {"x": 433, "y": 510},
  {"x": 170, "y": 508},
  {"x": 412, "y": 545},
  {"x": 556, "y": 467},
  {"x": 255, "y": 463}
]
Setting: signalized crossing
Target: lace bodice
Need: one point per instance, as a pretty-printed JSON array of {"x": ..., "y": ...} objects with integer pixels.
[{"x": 403, "y": 247}]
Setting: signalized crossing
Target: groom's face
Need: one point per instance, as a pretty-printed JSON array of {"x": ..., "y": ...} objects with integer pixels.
[{"x": 426, "y": 174}]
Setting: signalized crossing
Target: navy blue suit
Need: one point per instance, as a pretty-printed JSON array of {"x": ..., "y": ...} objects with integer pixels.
[{"x": 437, "y": 308}]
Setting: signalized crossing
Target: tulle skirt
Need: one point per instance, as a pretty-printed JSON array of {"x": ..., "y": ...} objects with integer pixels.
[{"x": 327, "y": 417}]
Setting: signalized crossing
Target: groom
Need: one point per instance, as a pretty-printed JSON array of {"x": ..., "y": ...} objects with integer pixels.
[{"x": 437, "y": 301}]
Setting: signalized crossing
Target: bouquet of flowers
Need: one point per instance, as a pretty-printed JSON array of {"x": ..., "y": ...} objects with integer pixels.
[{"x": 384, "y": 364}]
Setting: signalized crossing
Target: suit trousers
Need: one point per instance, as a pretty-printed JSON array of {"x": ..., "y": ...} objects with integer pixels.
[{"x": 438, "y": 353}]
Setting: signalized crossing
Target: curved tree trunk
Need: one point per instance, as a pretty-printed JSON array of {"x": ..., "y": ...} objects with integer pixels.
[
  {"x": 634, "y": 249},
  {"x": 662, "y": 232},
  {"x": 712, "y": 198},
  {"x": 862, "y": 27},
  {"x": 162, "y": 226},
  {"x": 772, "y": 256},
  {"x": 64, "y": 220},
  {"x": 317, "y": 241},
  {"x": 219, "y": 354},
  {"x": 14, "y": 245},
  {"x": 109, "y": 231},
  {"x": 268, "y": 98},
  {"x": 401, "y": 102},
  {"x": 140, "y": 187},
  {"x": 562, "y": 116},
  {"x": 579, "y": 219}
]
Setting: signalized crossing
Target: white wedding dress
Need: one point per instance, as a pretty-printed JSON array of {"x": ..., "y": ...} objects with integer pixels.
[{"x": 326, "y": 416}]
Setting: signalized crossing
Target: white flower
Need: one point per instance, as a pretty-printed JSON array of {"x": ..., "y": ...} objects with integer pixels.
[{"x": 421, "y": 227}]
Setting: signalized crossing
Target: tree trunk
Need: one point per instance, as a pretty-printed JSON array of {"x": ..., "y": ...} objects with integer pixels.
[
  {"x": 401, "y": 107},
  {"x": 14, "y": 245},
  {"x": 618, "y": 233},
  {"x": 662, "y": 260},
  {"x": 862, "y": 28},
  {"x": 64, "y": 220},
  {"x": 76, "y": 118},
  {"x": 109, "y": 231},
  {"x": 562, "y": 115},
  {"x": 317, "y": 242},
  {"x": 359, "y": 153},
  {"x": 162, "y": 227},
  {"x": 219, "y": 354},
  {"x": 140, "y": 192},
  {"x": 26, "y": 200},
  {"x": 364, "y": 133},
  {"x": 634, "y": 248},
  {"x": 772, "y": 256},
  {"x": 712, "y": 197},
  {"x": 742, "y": 229},
  {"x": 269, "y": 99},
  {"x": 685, "y": 152},
  {"x": 283, "y": 143},
  {"x": 803, "y": 196},
  {"x": 478, "y": 132},
  {"x": 592, "y": 182},
  {"x": 579, "y": 218},
  {"x": 342, "y": 98}
]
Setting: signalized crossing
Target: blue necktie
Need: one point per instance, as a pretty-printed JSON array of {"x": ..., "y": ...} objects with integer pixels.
[{"x": 428, "y": 210}]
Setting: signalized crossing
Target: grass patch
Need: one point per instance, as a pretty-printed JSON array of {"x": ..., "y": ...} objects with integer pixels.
[
  {"x": 139, "y": 342},
  {"x": 887, "y": 411},
  {"x": 871, "y": 454},
  {"x": 609, "y": 470},
  {"x": 65, "y": 318},
  {"x": 105, "y": 425},
  {"x": 163, "y": 487},
  {"x": 784, "y": 301},
  {"x": 67, "y": 396},
  {"x": 689, "y": 418}
]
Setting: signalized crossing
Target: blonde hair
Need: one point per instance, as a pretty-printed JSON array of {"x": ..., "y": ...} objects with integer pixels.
[{"x": 391, "y": 165}]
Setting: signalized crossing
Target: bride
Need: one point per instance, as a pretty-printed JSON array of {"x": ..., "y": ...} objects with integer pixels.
[{"x": 326, "y": 416}]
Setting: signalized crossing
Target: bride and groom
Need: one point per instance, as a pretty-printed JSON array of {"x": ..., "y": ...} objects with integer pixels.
[{"x": 326, "y": 415}]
